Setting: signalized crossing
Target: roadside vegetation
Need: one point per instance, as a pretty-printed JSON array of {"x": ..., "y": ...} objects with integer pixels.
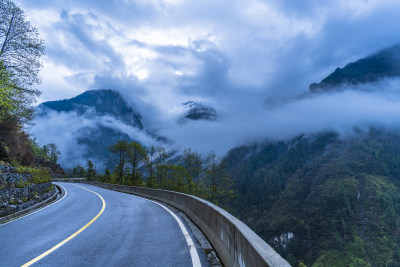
[
  {"x": 339, "y": 196},
  {"x": 20, "y": 52},
  {"x": 153, "y": 167}
]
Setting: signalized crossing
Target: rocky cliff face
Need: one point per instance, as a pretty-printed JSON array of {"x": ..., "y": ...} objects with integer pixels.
[{"x": 374, "y": 68}]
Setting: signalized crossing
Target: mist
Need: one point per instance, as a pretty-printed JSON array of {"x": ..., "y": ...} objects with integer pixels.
[
  {"x": 341, "y": 111},
  {"x": 231, "y": 56}
]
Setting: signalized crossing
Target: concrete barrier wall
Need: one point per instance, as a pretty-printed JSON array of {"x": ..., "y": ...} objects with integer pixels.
[
  {"x": 235, "y": 243},
  {"x": 70, "y": 180}
]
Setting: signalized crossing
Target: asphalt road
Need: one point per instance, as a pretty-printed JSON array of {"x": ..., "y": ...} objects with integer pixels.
[{"x": 132, "y": 231}]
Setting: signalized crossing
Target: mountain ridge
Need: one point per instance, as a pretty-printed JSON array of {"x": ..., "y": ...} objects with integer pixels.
[
  {"x": 102, "y": 101},
  {"x": 374, "y": 68},
  {"x": 101, "y": 118}
]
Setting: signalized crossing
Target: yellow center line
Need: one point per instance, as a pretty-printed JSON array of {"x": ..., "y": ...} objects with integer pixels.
[{"x": 41, "y": 256}]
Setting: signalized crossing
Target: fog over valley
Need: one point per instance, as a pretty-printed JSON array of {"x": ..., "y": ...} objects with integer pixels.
[
  {"x": 252, "y": 63},
  {"x": 274, "y": 125}
]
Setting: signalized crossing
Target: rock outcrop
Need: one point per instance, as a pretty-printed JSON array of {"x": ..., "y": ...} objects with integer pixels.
[{"x": 14, "y": 198}]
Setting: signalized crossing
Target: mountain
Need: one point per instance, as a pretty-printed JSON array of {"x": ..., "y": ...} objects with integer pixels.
[
  {"x": 101, "y": 102},
  {"x": 323, "y": 199},
  {"x": 197, "y": 111},
  {"x": 84, "y": 126},
  {"x": 374, "y": 68}
]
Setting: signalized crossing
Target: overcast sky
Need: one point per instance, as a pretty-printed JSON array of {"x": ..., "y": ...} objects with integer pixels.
[
  {"x": 230, "y": 54},
  {"x": 205, "y": 49}
]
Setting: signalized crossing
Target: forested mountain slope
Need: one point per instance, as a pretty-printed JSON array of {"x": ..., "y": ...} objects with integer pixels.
[
  {"x": 324, "y": 199},
  {"x": 376, "y": 67}
]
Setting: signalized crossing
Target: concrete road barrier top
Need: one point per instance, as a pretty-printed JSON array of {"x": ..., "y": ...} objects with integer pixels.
[{"x": 235, "y": 243}]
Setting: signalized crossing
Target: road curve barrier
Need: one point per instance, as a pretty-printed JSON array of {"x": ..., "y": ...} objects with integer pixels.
[{"x": 235, "y": 243}]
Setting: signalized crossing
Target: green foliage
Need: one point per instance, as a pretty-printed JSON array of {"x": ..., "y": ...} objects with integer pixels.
[
  {"x": 38, "y": 175},
  {"x": 340, "y": 197},
  {"x": 2, "y": 184},
  {"x": 188, "y": 173},
  {"x": 121, "y": 149},
  {"x": 79, "y": 172},
  {"x": 22, "y": 183},
  {"x": 106, "y": 177},
  {"x": 137, "y": 156},
  {"x": 48, "y": 152},
  {"x": 90, "y": 172},
  {"x": 53, "y": 153},
  {"x": 12, "y": 106},
  {"x": 353, "y": 255},
  {"x": 49, "y": 189},
  {"x": 150, "y": 167}
]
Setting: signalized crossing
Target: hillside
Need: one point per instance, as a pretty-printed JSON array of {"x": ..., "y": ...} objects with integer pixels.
[
  {"x": 93, "y": 121},
  {"x": 374, "y": 68},
  {"x": 323, "y": 199},
  {"x": 102, "y": 102}
]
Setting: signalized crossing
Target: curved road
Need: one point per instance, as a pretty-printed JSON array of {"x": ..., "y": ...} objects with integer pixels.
[{"x": 132, "y": 231}]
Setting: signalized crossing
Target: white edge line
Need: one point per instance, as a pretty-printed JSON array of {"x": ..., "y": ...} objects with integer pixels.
[
  {"x": 26, "y": 215},
  {"x": 193, "y": 252}
]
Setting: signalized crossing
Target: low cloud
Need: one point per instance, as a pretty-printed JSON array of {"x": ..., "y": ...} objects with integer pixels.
[
  {"x": 365, "y": 106},
  {"x": 231, "y": 55},
  {"x": 68, "y": 129}
]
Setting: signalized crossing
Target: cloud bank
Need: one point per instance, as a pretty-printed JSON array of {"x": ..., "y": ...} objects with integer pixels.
[{"x": 231, "y": 55}]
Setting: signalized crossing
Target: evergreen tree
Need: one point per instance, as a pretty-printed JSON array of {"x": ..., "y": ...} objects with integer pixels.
[
  {"x": 107, "y": 175},
  {"x": 91, "y": 171}
]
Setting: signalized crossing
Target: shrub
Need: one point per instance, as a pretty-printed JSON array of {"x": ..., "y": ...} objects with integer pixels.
[{"x": 39, "y": 175}]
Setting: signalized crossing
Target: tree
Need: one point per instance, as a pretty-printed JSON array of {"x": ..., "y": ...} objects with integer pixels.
[
  {"x": 91, "y": 171},
  {"x": 20, "y": 52},
  {"x": 121, "y": 148},
  {"x": 14, "y": 108},
  {"x": 107, "y": 175},
  {"x": 79, "y": 171},
  {"x": 197, "y": 169},
  {"x": 137, "y": 155},
  {"x": 176, "y": 176},
  {"x": 21, "y": 48},
  {"x": 150, "y": 166},
  {"x": 161, "y": 166},
  {"x": 217, "y": 180},
  {"x": 192, "y": 163},
  {"x": 53, "y": 153},
  {"x": 212, "y": 173}
]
